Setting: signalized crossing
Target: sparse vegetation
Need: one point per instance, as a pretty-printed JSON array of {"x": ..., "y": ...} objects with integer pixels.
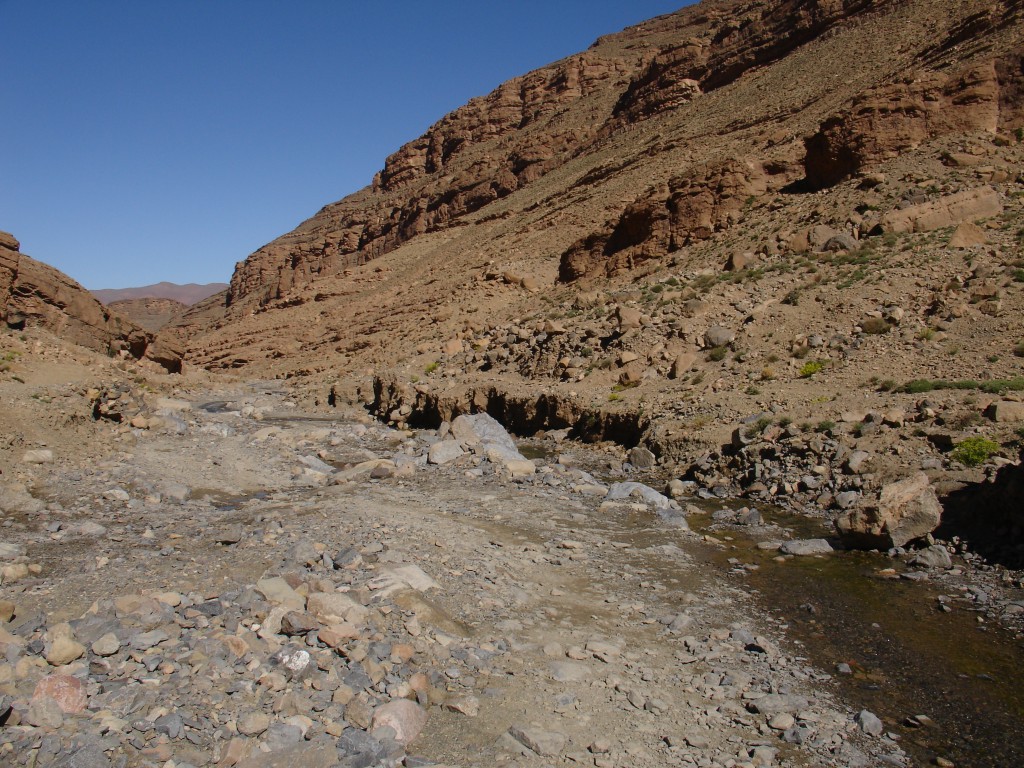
[
  {"x": 991, "y": 386},
  {"x": 717, "y": 354},
  {"x": 974, "y": 451},
  {"x": 826, "y": 425},
  {"x": 758, "y": 427},
  {"x": 432, "y": 367},
  {"x": 811, "y": 367}
]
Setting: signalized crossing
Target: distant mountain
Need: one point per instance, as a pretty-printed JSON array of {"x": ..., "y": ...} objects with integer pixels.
[{"x": 187, "y": 294}]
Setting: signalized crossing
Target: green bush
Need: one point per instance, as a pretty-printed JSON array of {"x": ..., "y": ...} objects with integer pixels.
[
  {"x": 811, "y": 367},
  {"x": 974, "y": 451},
  {"x": 718, "y": 354}
]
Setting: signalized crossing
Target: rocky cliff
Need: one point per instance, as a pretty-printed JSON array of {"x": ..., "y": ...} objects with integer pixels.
[
  {"x": 747, "y": 235},
  {"x": 882, "y": 83},
  {"x": 33, "y": 293}
]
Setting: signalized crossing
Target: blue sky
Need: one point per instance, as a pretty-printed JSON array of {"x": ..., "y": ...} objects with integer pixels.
[{"x": 146, "y": 141}]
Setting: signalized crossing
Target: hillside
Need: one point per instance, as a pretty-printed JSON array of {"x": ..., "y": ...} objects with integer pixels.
[
  {"x": 151, "y": 314},
  {"x": 745, "y": 225}
]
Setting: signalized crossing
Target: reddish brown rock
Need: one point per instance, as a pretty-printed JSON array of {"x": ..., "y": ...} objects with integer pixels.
[
  {"x": 67, "y": 691},
  {"x": 35, "y": 294},
  {"x": 900, "y": 116},
  {"x": 690, "y": 209}
]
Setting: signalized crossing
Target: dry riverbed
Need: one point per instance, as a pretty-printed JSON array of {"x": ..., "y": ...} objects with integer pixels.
[{"x": 243, "y": 585}]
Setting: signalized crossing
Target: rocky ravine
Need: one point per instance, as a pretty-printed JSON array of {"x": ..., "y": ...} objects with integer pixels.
[
  {"x": 239, "y": 585},
  {"x": 223, "y": 579},
  {"x": 756, "y": 254}
]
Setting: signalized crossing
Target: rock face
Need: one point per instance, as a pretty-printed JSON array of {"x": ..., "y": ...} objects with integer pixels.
[
  {"x": 533, "y": 125},
  {"x": 902, "y": 115},
  {"x": 692, "y": 208},
  {"x": 657, "y": 146},
  {"x": 904, "y": 511},
  {"x": 33, "y": 293}
]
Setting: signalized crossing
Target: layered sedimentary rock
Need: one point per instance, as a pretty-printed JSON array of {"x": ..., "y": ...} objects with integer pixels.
[
  {"x": 691, "y": 208},
  {"x": 920, "y": 106},
  {"x": 35, "y": 294}
]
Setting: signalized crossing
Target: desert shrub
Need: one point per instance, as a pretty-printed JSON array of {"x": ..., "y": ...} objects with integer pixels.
[
  {"x": 759, "y": 426},
  {"x": 811, "y": 367},
  {"x": 826, "y": 425},
  {"x": 718, "y": 354},
  {"x": 974, "y": 451}
]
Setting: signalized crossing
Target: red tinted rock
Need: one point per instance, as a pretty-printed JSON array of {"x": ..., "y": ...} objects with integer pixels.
[{"x": 67, "y": 691}]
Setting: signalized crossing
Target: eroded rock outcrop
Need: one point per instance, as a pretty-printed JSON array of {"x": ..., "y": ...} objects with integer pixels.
[
  {"x": 35, "y": 294},
  {"x": 966, "y": 206},
  {"x": 691, "y": 208},
  {"x": 900, "y": 116},
  {"x": 743, "y": 36}
]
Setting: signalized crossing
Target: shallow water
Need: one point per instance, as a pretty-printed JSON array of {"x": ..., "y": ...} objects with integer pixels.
[{"x": 908, "y": 657}]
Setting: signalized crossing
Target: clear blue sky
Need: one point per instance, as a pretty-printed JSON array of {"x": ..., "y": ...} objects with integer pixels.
[{"x": 145, "y": 141}]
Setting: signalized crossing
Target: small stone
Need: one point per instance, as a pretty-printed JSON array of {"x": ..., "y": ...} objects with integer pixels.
[
  {"x": 67, "y": 691},
  {"x": 253, "y": 723},
  {"x": 548, "y": 743},
  {"x": 45, "y": 712},
  {"x": 781, "y": 722},
  {"x": 39, "y": 456},
  {"x": 107, "y": 645},
  {"x": 464, "y": 705}
]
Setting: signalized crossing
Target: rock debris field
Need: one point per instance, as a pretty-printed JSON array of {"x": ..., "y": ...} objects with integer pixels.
[{"x": 240, "y": 585}]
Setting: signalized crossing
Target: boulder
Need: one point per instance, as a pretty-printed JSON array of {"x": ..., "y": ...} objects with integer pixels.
[
  {"x": 934, "y": 556},
  {"x": 967, "y": 235},
  {"x": 405, "y": 717},
  {"x": 619, "y": 491},
  {"x": 484, "y": 436},
  {"x": 444, "y": 452},
  {"x": 948, "y": 211},
  {"x": 904, "y": 511},
  {"x": 806, "y": 547},
  {"x": 1005, "y": 411},
  {"x": 717, "y": 336},
  {"x": 682, "y": 365}
]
